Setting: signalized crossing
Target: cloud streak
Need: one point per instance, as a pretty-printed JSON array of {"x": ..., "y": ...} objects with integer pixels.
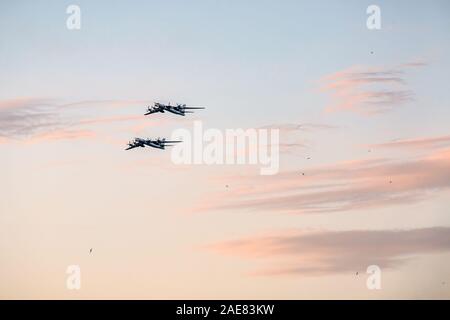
[
  {"x": 327, "y": 252},
  {"x": 416, "y": 143},
  {"x": 347, "y": 186},
  {"x": 27, "y": 116},
  {"x": 290, "y": 134},
  {"x": 36, "y": 119},
  {"x": 62, "y": 135},
  {"x": 368, "y": 90},
  {"x": 294, "y": 127}
]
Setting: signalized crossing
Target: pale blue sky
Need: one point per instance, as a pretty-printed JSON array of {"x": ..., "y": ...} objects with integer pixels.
[{"x": 246, "y": 52}]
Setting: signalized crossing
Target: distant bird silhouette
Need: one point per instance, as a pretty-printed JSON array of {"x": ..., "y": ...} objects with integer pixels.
[{"x": 90, "y": 251}]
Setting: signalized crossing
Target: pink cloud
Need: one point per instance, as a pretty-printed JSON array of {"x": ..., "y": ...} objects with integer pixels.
[
  {"x": 25, "y": 102},
  {"x": 62, "y": 135},
  {"x": 340, "y": 187},
  {"x": 368, "y": 90},
  {"x": 315, "y": 253},
  {"x": 35, "y": 120},
  {"x": 416, "y": 143}
]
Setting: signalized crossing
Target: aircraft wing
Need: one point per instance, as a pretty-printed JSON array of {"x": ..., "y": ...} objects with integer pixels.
[
  {"x": 131, "y": 147},
  {"x": 154, "y": 144},
  {"x": 151, "y": 112}
]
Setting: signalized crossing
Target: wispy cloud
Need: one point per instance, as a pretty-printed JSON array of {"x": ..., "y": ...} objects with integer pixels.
[
  {"x": 37, "y": 119},
  {"x": 327, "y": 252},
  {"x": 340, "y": 187},
  {"x": 369, "y": 90},
  {"x": 105, "y": 103},
  {"x": 27, "y": 116},
  {"x": 294, "y": 127},
  {"x": 292, "y": 134},
  {"x": 62, "y": 135},
  {"x": 416, "y": 143}
]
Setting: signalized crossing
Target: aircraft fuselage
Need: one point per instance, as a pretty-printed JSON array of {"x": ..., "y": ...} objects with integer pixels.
[
  {"x": 176, "y": 111},
  {"x": 155, "y": 145}
]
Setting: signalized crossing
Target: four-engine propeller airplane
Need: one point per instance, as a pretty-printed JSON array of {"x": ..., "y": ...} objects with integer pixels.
[
  {"x": 179, "y": 109},
  {"x": 154, "y": 143}
]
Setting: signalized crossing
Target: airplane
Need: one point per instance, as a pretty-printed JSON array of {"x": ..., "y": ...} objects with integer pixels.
[
  {"x": 179, "y": 109},
  {"x": 157, "y": 143}
]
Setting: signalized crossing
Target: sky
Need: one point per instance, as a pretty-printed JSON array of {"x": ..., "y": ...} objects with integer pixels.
[{"x": 364, "y": 173}]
